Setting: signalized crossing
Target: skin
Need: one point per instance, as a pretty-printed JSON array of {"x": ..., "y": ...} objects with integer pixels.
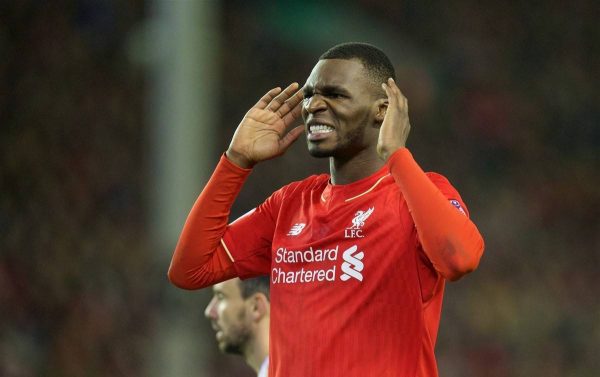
[
  {"x": 337, "y": 93},
  {"x": 368, "y": 125},
  {"x": 241, "y": 325}
]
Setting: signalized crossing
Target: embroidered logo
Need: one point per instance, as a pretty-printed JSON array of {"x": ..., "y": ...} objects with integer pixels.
[
  {"x": 355, "y": 231},
  {"x": 353, "y": 264},
  {"x": 296, "y": 229},
  {"x": 457, "y": 205}
]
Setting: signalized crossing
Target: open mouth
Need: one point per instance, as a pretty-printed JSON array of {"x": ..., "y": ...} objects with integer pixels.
[{"x": 319, "y": 131}]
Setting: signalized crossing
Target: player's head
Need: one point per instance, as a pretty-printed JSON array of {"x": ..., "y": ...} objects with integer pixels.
[
  {"x": 344, "y": 102},
  {"x": 236, "y": 309},
  {"x": 378, "y": 67}
]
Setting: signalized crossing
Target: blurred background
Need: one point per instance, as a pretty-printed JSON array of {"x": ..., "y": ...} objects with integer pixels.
[{"x": 114, "y": 113}]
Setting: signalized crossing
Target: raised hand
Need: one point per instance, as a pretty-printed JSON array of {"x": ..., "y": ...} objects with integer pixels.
[
  {"x": 396, "y": 126},
  {"x": 261, "y": 135}
]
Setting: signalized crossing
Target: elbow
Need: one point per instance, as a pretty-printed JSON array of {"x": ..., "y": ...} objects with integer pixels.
[
  {"x": 179, "y": 273},
  {"x": 455, "y": 273},
  {"x": 180, "y": 278},
  {"x": 193, "y": 269},
  {"x": 176, "y": 278},
  {"x": 465, "y": 260},
  {"x": 189, "y": 277}
]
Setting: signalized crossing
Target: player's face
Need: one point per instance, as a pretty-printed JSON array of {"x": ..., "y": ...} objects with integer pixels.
[
  {"x": 339, "y": 109},
  {"x": 227, "y": 313}
]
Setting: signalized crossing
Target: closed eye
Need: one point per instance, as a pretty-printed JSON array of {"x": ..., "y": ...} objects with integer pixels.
[
  {"x": 334, "y": 95},
  {"x": 334, "y": 91}
]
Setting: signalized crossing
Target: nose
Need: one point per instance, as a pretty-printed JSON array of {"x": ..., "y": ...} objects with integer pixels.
[
  {"x": 313, "y": 104},
  {"x": 210, "y": 311}
]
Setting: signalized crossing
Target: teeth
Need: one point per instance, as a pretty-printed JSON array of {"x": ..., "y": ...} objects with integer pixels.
[{"x": 320, "y": 129}]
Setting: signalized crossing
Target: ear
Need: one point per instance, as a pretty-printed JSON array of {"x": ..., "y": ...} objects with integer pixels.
[
  {"x": 381, "y": 106},
  {"x": 259, "y": 306}
]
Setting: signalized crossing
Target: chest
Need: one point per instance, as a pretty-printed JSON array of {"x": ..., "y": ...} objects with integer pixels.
[
  {"x": 370, "y": 238},
  {"x": 307, "y": 219}
]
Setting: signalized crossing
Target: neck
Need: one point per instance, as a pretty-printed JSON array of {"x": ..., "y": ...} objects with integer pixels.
[
  {"x": 344, "y": 171},
  {"x": 257, "y": 350}
]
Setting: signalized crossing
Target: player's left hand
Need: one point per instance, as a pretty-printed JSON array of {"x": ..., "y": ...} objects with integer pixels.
[{"x": 396, "y": 126}]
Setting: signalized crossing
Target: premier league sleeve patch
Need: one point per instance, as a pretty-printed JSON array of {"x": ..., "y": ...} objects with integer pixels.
[{"x": 457, "y": 205}]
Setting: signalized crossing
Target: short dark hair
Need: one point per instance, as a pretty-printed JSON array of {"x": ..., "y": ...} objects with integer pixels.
[
  {"x": 378, "y": 66},
  {"x": 251, "y": 286}
]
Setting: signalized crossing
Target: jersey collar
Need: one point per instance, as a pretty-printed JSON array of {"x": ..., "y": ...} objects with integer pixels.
[{"x": 355, "y": 190}]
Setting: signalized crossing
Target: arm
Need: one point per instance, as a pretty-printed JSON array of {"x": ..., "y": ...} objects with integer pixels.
[
  {"x": 449, "y": 238},
  {"x": 451, "y": 241},
  {"x": 199, "y": 258}
]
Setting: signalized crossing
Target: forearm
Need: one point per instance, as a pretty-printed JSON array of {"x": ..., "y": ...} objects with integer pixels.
[
  {"x": 199, "y": 259},
  {"x": 449, "y": 238}
]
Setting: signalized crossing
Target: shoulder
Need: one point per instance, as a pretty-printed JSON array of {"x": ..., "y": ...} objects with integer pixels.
[
  {"x": 449, "y": 191},
  {"x": 437, "y": 178},
  {"x": 296, "y": 189},
  {"x": 313, "y": 182},
  {"x": 443, "y": 184}
]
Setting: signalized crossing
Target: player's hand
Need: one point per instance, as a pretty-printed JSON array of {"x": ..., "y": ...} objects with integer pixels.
[
  {"x": 262, "y": 134},
  {"x": 396, "y": 126}
]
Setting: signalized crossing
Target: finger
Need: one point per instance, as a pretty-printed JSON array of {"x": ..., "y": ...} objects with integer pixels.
[
  {"x": 292, "y": 115},
  {"x": 389, "y": 92},
  {"x": 401, "y": 97},
  {"x": 291, "y": 103},
  {"x": 267, "y": 98},
  {"x": 393, "y": 87},
  {"x": 395, "y": 96},
  {"x": 386, "y": 88},
  {"x": 280, "y": 99},
  {"x": 290, "y": 137}
]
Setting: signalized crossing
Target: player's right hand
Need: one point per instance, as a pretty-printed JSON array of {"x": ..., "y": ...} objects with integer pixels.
[{"x": 262, "y": 134}]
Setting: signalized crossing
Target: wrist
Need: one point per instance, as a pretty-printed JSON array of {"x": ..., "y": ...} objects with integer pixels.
[
  {"x": 386, "y": 154},
  {"x": 238, "y": 159},
  {"x": 396, "y": 155}
]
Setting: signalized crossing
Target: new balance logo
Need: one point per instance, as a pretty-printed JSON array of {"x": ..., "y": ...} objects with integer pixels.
[
  {"x": 296, "y": 229},
  {"x": 353, "y": 264},
  {"x": 355, "y": 231}
]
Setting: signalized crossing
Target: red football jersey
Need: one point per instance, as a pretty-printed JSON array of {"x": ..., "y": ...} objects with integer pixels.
[{"x": 352, "y": 292}]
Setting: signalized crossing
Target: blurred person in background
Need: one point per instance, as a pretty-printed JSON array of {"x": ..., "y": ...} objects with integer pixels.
[
  {"x": 239, "y": 313},
  {"x": 358, "y": 259}
]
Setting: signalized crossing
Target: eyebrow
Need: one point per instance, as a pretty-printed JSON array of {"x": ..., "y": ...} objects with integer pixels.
[
  {"x": 217, "y": 290},
  {"x": 325, "y": 89}
]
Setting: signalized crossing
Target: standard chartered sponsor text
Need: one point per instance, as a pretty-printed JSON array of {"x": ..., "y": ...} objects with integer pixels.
[
  {"x": 279, "y": 275},
  {"x": 284, "y": 255}
]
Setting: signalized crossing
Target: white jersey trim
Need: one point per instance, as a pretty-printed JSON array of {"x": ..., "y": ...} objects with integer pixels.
[
  {"x": 369, "y": 190},
  {"x": 227, "y": 250}
]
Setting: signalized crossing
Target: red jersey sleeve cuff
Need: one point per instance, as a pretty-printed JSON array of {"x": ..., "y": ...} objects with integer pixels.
[
  {"x": 399, "y": 158},
  {"x": 228, "y": 165}
]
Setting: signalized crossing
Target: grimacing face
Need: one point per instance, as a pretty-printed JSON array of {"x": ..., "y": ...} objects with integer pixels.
[
  {"x": 228, "y": 316},
  {"x": 339, "y": 109}
]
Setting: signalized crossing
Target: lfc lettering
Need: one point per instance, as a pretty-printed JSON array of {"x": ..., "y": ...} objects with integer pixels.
[{"x": 353, "y": 233}]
